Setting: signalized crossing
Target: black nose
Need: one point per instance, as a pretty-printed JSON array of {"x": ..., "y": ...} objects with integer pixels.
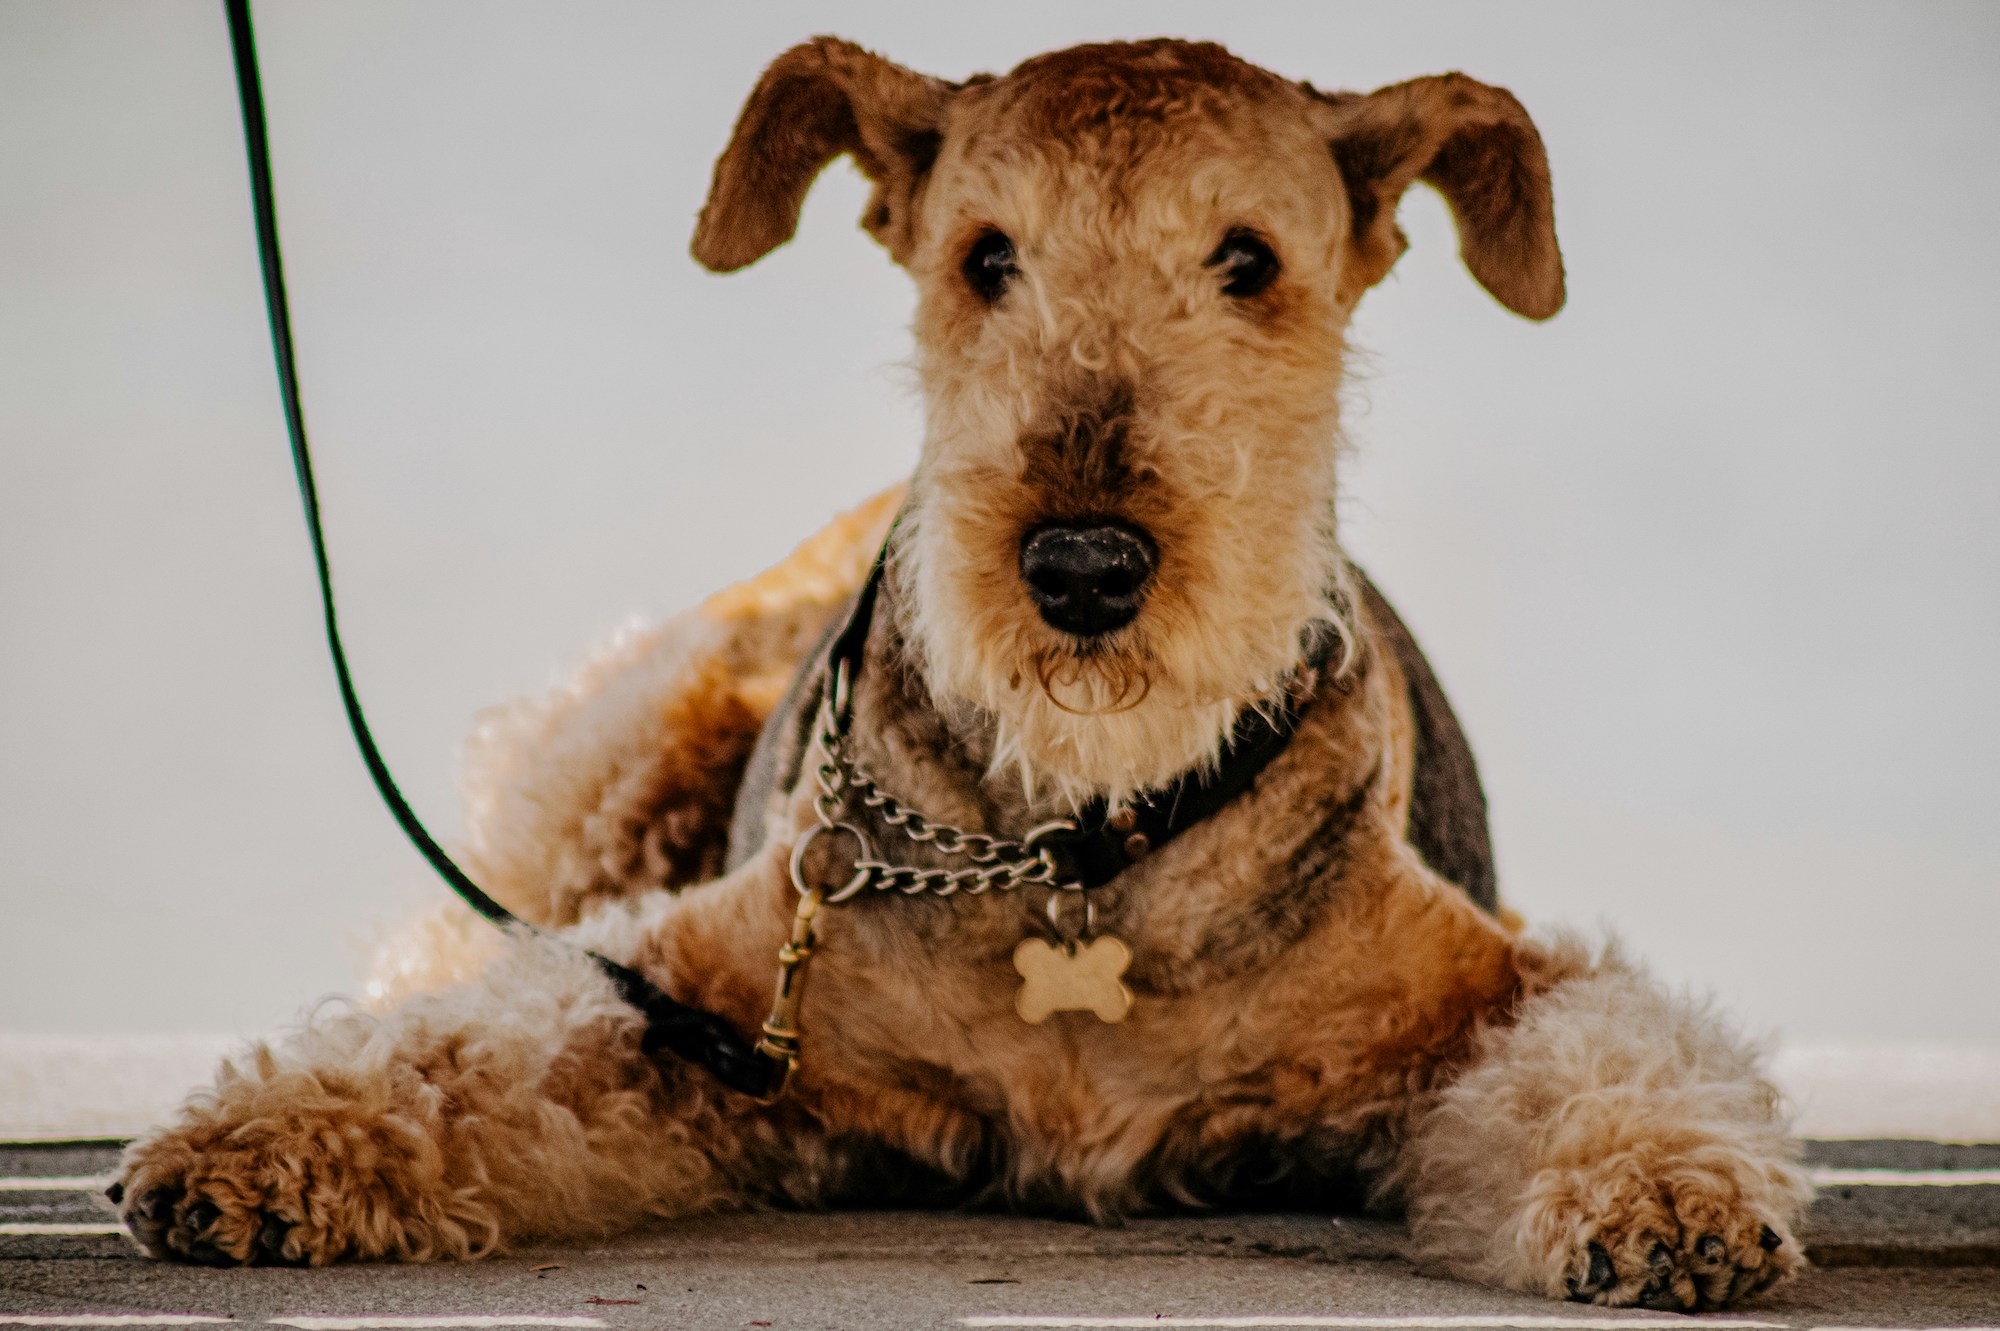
[{"x": 1087, "y": 580}]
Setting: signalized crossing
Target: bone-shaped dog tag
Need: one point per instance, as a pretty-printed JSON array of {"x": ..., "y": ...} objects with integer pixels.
[{"x": 1075, "y": 977}]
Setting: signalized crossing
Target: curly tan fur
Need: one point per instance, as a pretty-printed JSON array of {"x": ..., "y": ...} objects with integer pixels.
[
  {"x": 514, "y": 1105},
  {"x": 1611, "y": 1113},
  {"x": 623, "y": 778},
  {"x": 1314, "y": 1001}
]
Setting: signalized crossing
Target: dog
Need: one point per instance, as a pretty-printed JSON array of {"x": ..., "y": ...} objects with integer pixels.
[{"x": 1114, "y": 576}]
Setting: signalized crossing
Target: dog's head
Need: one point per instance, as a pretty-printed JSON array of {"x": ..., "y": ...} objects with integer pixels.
[{"x": 1135, "y": 264}]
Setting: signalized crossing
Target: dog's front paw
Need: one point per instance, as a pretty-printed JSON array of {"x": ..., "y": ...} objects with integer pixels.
[
  {"x": 177, "y": 1215},
  {"x": 1678, "y": 1236},
  {"x": 295, "y": 1185}
]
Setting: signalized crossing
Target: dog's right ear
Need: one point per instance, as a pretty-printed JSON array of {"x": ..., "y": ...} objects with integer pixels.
[
  {"x": 817, "y": 101},
  {"x": 1476, "y": 144}
]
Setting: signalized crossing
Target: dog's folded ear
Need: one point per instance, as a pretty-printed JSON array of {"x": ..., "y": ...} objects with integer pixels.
[
  {"x": 816, "y": 101},
  {"x": 1478, "y": 147}
]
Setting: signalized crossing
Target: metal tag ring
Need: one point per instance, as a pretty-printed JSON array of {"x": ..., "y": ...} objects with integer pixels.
[
  {"x": 1055, "y": 913},
  {"x": 861, "y": 875}
]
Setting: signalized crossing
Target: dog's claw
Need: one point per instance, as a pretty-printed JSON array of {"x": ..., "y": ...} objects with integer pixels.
[
  {"x": 195, "y": 1225},
  {"x": 271, "y": 1237},
  {"x": 1600, "y": 1277},
  {"x": 157, "y": 1204},
  {"x": 1769, "y": 1240},
  {"x": 115, "y": 1193},
  {"x": 203, "y": 1253}
]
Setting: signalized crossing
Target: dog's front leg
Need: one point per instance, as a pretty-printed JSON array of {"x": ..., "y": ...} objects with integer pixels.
[
  {"x": 515, "y": 1105},
  {"x": 1615, "y": 1144}
]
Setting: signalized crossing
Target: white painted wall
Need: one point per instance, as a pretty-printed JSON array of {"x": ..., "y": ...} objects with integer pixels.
[{"x": 1710, "y": 563}]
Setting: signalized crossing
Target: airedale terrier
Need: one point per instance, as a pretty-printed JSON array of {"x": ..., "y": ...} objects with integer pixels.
[{"x": 1150, "y": 866}]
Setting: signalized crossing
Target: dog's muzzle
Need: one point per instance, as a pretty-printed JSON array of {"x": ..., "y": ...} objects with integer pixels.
[{"x": 1088, "y": 581}]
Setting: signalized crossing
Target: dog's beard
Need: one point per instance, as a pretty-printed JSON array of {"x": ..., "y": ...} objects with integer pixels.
[
  {"x": 1076, "y": 725},
  {"x": 1112, "y": 717}
]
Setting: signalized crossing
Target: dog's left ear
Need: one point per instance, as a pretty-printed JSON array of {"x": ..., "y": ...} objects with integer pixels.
[
  {"x": 1478, "y": 147},
  {"x": 818, "y": 100}
]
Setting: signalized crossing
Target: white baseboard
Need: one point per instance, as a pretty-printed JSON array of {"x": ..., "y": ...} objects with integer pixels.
[
  {"x": 63, "y": 1086},
  {"x": 1940, "y": 1092}
]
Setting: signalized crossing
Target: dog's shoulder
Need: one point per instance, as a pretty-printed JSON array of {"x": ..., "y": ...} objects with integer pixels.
[
  {"x": 1447, "y": 805},
  {"x": 773, "y": 767}
]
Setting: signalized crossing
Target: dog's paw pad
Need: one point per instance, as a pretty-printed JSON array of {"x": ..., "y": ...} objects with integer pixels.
[
  {"x": 168, "y": 1223},
  {"x": 1698, "y": 1272},
  {"x": 1664, "y": 1234},
  {"x": 1642, "y": 1268}
]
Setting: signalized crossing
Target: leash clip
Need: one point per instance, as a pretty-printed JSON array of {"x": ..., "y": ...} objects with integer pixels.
[
  {"x": 780, "y": 1042},
  {"x": 781, "y": 1029}
]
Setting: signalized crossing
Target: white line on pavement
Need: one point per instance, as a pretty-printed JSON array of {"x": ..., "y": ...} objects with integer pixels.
[
  {"x": 1509, "y": 1322},
  {"x": 107, "y": 1320},
  {"x": 1825, "y": 1178},
  {"x": 314, "y": 1323},
  {"x": 366, "y": 1323},
  {"x": 38, "y": 1227},
  {"x": 1903, "y": 1178}
]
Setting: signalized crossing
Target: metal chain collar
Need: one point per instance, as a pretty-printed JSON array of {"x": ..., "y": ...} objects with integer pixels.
[{"x": 996, "y": 864}]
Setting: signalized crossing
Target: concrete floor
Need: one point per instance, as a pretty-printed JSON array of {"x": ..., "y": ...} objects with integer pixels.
[{"x": 1889, "y": 1255}]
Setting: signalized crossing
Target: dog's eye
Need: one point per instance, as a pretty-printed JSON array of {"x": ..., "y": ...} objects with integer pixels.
[
  {"x": 1247, "y": 264},
  {"x": 989, "y": 265}
]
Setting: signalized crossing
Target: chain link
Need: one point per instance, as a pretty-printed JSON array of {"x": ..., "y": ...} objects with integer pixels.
[{"x": 997, "y": 864}]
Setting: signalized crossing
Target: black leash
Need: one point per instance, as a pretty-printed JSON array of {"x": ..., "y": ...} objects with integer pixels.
[{"x": 688, "y": 1032}]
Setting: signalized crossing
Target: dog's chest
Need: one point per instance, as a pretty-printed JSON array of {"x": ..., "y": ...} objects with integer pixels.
[
  {"x": 1270, "y": 1005},
  {"x": 959, "y": 992},
  {"x": 921, "y": 1036},
  {"x": 1284, "y": 975}
]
